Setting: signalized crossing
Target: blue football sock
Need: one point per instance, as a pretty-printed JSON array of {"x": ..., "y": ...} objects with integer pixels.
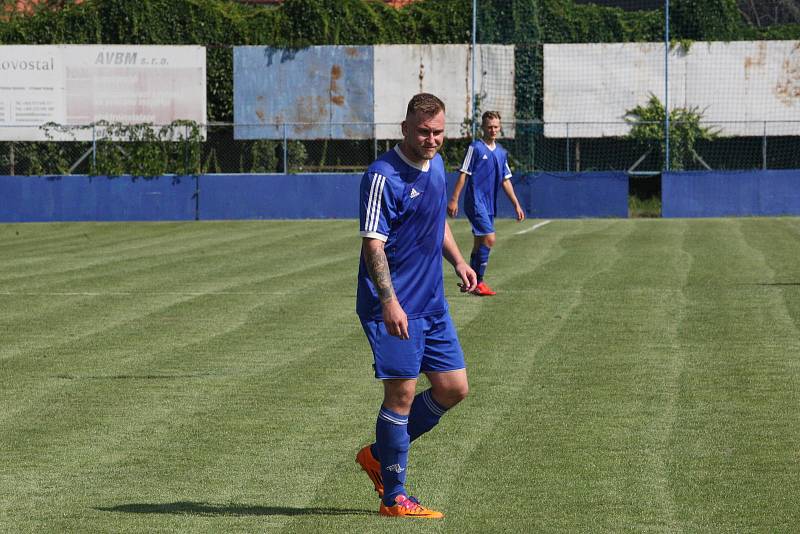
[
  {"x": 392, "y": 442},
  {"x": 474, "y": 262},
  {"x": 482, "y": 261},
  {"x": 425, "y": 414}
]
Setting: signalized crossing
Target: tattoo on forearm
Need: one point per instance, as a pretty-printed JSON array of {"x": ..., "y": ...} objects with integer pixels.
[{"x": 378, "y": 268}]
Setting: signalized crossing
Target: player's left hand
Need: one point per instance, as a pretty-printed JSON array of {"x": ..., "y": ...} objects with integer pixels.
[
  {"x": 468, "y": 277},
  {"x": 452, "y": 208},
  {"x": 520, "y": 214}
]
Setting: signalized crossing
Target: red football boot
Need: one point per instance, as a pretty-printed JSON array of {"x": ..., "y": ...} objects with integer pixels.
[{"x": 483, "y": 290}]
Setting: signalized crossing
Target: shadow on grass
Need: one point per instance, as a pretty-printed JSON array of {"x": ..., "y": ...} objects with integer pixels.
[
  {"x": 208, "y": 509},
  {"x": 130, "y": 377}
]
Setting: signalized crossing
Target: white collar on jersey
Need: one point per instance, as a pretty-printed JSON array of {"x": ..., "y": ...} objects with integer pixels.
[
  {"x": 489, "y": 147},
  {"x": 425, "y": 166}
]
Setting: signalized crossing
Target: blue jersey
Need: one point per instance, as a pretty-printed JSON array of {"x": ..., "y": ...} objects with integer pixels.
[
  {"x": 405, "y": 207},
  {"x": 487, "y": 169}
]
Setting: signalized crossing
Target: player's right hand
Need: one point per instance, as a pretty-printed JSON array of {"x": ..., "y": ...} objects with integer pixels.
[
  {"x": 469, "y": 280},
  {"x": 452, "y": 208},
  {"x": 395, "y": 319}
]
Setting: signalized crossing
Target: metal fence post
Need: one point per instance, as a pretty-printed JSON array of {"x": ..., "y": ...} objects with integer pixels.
[
  {"x": 474, "y": 50},
  {"x": 94, "y": 148},
  {"x": 764, "y": 148},
  {"x": 11, "y": 157},
  {"x": 567, "y": 147},
  {"x": 186, "y": 148},
  {"x": 533, "y": 146},
  {"x": 285, "y": 151},
  {"x": 197, "y": 197},
  {"x": 666, "y": 85}
]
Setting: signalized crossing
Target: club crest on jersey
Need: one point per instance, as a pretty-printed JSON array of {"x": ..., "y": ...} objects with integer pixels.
[{"x": 414, "y": 193}]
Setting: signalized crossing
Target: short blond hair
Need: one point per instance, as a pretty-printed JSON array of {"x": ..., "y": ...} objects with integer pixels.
[{"x": 424, "y": 103}]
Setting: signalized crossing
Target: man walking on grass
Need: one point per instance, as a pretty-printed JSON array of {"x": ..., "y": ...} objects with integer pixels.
[
  {"x": 401, "y": 301},
  {"x": 486, "y": 165}
]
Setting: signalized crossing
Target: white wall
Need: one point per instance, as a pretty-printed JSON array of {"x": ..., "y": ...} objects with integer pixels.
[
  {"x": 728, "y": 82},
  {"x": 401, "y": 71}
]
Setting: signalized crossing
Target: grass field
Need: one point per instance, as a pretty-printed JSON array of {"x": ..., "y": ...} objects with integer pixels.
[{"x": 630, "y": 376}]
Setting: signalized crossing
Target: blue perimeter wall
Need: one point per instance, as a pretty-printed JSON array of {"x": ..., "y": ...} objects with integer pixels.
[
  {"x": 730, "y": 193},
  {"x": 96, "y": 198},
  {"x": 212, "y": 197},
  {"x": 271, "y": 196},
  {"x": 563, "y": 195}
]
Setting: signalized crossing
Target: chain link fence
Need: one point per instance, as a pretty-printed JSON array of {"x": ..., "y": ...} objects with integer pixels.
[
  {"x": 535, "y": 142},
  {"x": 213, "y": 148}
]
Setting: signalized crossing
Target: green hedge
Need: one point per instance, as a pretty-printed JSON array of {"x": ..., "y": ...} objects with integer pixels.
[{"x": 221, "y": 24}]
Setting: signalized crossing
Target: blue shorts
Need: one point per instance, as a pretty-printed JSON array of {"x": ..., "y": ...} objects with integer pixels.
[
  {"x": 480, "y": 219},
  {"x": 432, "y": 347}
]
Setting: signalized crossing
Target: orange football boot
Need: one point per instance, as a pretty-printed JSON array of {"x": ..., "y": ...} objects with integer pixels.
[
  {"x": 408, "y": 507},
  {"x": 372, "y": 466},
  {"x": 483, "y": 290}
]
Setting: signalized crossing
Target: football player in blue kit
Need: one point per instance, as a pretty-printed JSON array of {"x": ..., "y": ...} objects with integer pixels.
[
  {"x": 485, "y": 169},
  {"x": 401, "y": 303}
]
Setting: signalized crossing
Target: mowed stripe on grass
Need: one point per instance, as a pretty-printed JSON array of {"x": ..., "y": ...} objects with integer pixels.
[{"x": 629, "y": 375}]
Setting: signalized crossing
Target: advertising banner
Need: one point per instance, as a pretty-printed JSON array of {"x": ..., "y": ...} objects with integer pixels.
[
  {"x": 743, "y": 88},
  {"x": 361, "y": 92},
  {"x": 74, "y": 86}
]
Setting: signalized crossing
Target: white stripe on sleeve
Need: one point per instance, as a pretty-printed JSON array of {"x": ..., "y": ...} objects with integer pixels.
[
  {"x": 376, "y": 217},
  {"x": 374, "y": 205},
  {"x": 467, "y": 159},
  {"x": 368, "y": 217}
]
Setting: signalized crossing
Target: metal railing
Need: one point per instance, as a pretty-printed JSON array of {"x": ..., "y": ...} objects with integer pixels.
[{"x": 532, "y": 146}]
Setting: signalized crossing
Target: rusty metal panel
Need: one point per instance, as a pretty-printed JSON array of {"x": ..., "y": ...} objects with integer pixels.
[{"x": 319, "y": 92}]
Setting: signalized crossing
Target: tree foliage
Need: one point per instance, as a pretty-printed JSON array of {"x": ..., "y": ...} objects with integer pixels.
[
  {"x": 706, "y": 20},
  {"x": 221, "y": 24},
  {"x": 647, "y": 126}
]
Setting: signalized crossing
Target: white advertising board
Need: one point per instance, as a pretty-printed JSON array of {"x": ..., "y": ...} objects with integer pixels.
[
  {"x": 401, "y": 71},
  {"x": 77, "y": 85},
  {"x": 742, "y": 88}
]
